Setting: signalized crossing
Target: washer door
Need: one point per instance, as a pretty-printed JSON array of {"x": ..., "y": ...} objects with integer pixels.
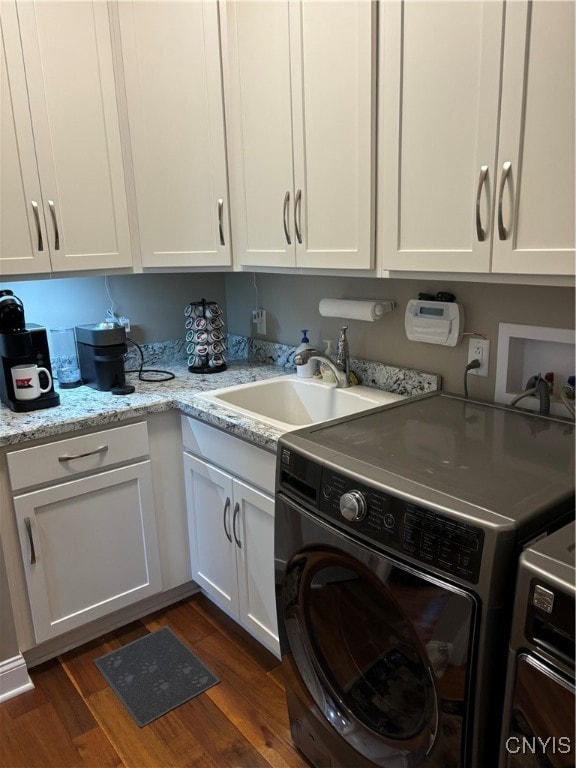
[{"x": 371, "y": 641}]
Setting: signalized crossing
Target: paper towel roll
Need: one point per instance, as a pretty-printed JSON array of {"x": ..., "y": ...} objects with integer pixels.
[{"x": 355, "y": 309}]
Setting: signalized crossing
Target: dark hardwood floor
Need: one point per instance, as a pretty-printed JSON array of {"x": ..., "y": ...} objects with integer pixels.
[{"x": 73, "y": 718}]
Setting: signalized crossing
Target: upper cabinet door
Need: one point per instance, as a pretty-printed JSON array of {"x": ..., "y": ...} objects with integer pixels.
[
  {"x": 71, "y": 88},
  {"x": 171, "y": 57},
  {"x": 535, "y": 203},
  {"x": 23, "y": 244},
  {"x": 256, "y": 49},
  {"x": 333, "y": 54},
  {"x": 438, "y": 124},
  {"x": 300, "y": 88}
]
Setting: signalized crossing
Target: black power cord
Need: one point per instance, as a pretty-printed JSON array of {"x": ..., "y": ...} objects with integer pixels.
[
  {"x": 470, "y": 367},
  {"x": 166, "y": 375}
]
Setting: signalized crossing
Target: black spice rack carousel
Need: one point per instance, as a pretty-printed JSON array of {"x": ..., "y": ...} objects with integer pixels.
[{"x": 205, "y": 338}]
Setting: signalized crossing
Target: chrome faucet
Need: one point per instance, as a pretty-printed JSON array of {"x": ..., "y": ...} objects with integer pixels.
[
  {"x": 339, "y": 367},
  {"x": 343, "y": 353}
]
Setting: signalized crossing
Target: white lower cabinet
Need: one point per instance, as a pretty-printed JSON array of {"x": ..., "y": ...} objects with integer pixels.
[
  {"x": 231, "y": 529},
  {"x": 79, "y": 530},
  {"x": 89, "y": 547}
]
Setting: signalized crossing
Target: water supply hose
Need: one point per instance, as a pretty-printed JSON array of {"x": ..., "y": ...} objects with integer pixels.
[
  {"x": 566, "y": 393},
  {"x": 543, "y": 390},
  {"x": 536, "y": 386}
]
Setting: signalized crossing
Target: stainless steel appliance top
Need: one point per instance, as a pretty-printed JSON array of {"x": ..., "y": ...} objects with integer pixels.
[{"x": 475, "y": 458}]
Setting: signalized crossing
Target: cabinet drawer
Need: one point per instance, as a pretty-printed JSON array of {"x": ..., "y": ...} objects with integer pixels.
[
  {"x": 237, "y": 456},
  {"x": 65, "y": 459}
]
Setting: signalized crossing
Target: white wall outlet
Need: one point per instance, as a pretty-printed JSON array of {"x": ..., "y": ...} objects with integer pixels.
[
  {"x": 479, "y": 349},
  {"x": 259, "y": 319}
]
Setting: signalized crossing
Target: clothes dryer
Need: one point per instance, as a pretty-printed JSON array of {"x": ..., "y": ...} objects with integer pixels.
[{"x": 539, "y": 721}]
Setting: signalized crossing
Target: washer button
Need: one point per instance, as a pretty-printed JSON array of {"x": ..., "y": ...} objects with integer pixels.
[{"x": 389, "y": 521}]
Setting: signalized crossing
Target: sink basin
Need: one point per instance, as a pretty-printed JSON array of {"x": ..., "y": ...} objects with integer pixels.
[{"x": 289, "y": 402}]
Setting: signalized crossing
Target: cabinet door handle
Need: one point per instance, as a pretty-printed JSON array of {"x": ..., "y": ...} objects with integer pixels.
[
  {"x": 480, "y": 231},
  {"x": 286, "y": 230},
  {"x": 71, "y": 457},
  {"x": 502, "y": 231},
  {"x": 234, "y": 517},
  {"x": 37, "y": 220},
  {"x": 226, "y": 508},
  {"x": 221, "y": 221},
  {"x": 28, "y": 525},
  {"x": 298, "y": 215},
  {"x": 55, "y": 224}
]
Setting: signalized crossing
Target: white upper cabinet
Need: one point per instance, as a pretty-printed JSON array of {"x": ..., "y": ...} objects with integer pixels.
[
  {"x": 534, "y": 233},
  {"x": 441, "y": 74},
  {"x": 173, "y": 78},
  {"x": 476, "y": 172},
  {"x": 23, "y": 245},
  {"x": 81, "y": 217},
  {"x": 259, "y": 117},
  {"x": 300, "y": 97}
]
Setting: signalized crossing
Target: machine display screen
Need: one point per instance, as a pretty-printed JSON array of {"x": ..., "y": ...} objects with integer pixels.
[{"x": 436, "y": 311}]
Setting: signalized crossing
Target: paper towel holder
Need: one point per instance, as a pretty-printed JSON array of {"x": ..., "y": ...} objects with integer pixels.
[{"x": 356, "y": 309}]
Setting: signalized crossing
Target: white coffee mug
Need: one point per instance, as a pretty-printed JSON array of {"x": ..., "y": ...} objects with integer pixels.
[{"x": 26, "y": 381}]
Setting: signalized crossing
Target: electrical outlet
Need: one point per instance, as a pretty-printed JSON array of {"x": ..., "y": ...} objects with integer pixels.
[
  {"x": 259, "y": 319},
  {"x": 479, "y": 349},
  {"x": 125, "y": 322}
]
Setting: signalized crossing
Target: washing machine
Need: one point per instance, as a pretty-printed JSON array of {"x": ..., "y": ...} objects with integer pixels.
[
  {"x": 539, "y": 713},
  {"x": 397, "y": 537}
]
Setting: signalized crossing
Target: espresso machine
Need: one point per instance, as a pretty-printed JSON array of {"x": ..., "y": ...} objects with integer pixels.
[
  {"x": 101, "y": 350},
  {"x": 21, "y": 344}
]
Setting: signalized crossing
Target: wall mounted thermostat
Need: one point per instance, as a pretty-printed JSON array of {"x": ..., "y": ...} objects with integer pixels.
[{"x": 435, "y": 322}]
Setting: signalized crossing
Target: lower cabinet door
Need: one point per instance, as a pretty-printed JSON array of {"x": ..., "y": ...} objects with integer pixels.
[
  {"x": 253, "y": 530},
  {"x": 231, "y": 529},
  {"x": 89, "y": 547},
  {"x": 212, "y": 547}
]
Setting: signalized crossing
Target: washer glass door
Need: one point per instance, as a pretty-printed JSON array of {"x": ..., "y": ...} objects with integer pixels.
[{"x": 383, "y": 652}]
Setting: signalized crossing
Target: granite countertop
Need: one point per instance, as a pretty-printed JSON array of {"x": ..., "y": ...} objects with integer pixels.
[
  {"x": 252, "y": 360},
  {"x": 86, "y": 407}
]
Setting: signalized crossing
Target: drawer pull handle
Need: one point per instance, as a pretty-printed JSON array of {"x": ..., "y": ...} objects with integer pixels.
[
  {"x": 480, "y": 231},
  {"x": 286, "y": 231},
  {"x": 28, "y": 525},
  {"x": 102, "y": 449},
  {"x": 236, "y": 511},
  {"x": 502, "y": 231},
  {"x": 54, "y": 224},
  {"x": 37, "y": 221},
  {"x": 298, "y": 215},
  {"x": 226, "y": 508},
  {"x": 221, "y": 221}
]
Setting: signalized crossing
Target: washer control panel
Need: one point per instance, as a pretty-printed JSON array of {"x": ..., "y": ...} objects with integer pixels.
[{"x": 447, "y": 544}]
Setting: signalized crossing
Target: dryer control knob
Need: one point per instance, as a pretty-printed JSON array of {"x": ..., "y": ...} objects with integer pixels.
[{"x": 353, "y": 506}]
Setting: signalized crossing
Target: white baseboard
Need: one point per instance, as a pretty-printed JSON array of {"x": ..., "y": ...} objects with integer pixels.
[{"x": 14, "y": 678}]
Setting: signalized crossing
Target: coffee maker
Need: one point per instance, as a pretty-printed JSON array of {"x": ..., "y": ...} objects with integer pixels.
[
  {"x": 101, "y": 350},
  {"x": 22, "y": 343}
]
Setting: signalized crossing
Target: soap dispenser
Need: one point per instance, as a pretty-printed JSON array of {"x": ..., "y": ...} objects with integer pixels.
[{"x": 305, "y": 371}]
